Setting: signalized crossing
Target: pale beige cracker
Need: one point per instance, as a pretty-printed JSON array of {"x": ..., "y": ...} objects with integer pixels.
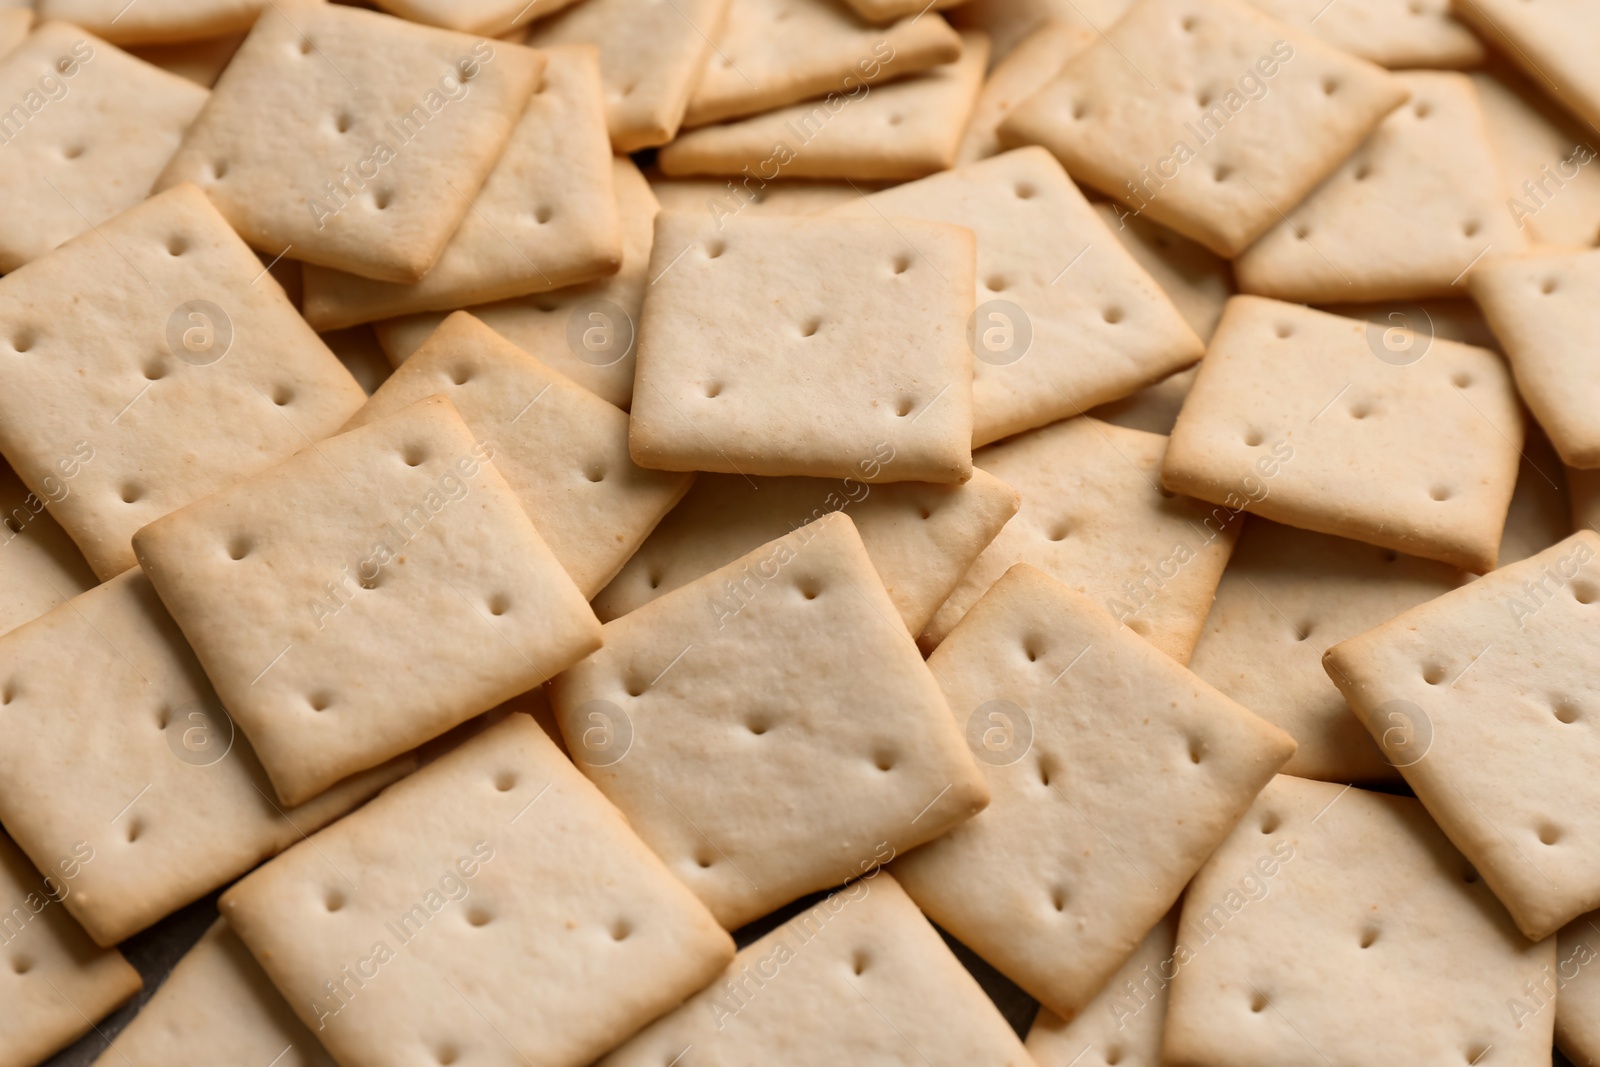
[
  {"x": 407, "y": 932},
  {"x": 769, "y": 729},
  {"x": 1549, "y": 41},
  {"x": 1025, "y": 70},
  {"x": 1195, "y": 279},
  {"x": 358, "y": 349},
  {"x": 1541, "y": 507},
  {"x": 1153, "y": 409},
  {"x": 1065, "y": 319},
  {"x": 1454, "y": 319},
  {"x": 886, "y": 10},
  {"x": 356, "y": 140},
  {"x": 39, "y": 565},
  {"x": 1269, "y": 112},
  {"x": 1416, "y": 208},
  {"x": 1348, "y": 428},
  {"x": 545, "y": 219},
  {"x": 14, "y": 26},
  {"x": 921, "y": 537},
  {"x": 860, "y": 977},
  {"x": 1009, "y": 22},
  {"x": 201, "y": 62},
  {"x": 497, "y": 18},
  {"x": 1340, "y": 920},
  {"x": 1399, "y": 34},
  {"x": 1574, "y": 990},
  {"x": 157, "y": 21},
  {"x": 1090, "y": 739},
  {"x": 1095, "y": 517},
  {"x": 156, "y": 345},
  {"x": 366, "y": 595},
  {"x": 835, "y": 349}
]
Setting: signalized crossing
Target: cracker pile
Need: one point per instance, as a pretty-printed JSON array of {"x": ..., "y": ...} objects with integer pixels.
[{"x": 962, "y": 533}]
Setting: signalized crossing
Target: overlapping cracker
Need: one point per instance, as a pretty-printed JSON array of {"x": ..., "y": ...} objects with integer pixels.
[
  {"x": 1153, "y": 409},
  {"x": 201, "y": 62},
  {"x": 497, "y": 18},
  {"x": 885, "y": 10},
  {"x": 157, "y": 21},
  {"x": 1009, "y": 22},
  {"x": 1195, "y": 279},
  {"x": 1400, "y": 34},
  {"x": 1548, "y": 41},
  {"x": 39, "y": 565},
  {"x": 1541, "y": 508},
  {"x": 728, "y": 199},
  {"x": 358, "y": 349},
  {"x": 1025, "y": 70}
]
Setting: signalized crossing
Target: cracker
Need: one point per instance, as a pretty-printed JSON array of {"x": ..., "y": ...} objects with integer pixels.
[
  {"x": 821, "y": 46},
  {"x": 727, "y": 200},
  {"x": 563, "y": 450},
  {"x": 201, "y": 62},
  {"x": 1009, "y": 22},
  {"x": 859, "y": 977},
  {"x": 651, "y": 58},
  {"x": 39, "y": 565},
  {"x": 398, "y": 544},
  {"x": 1576, "y": 990},
  {"x": 1089, "y": 739},
  {"x": 1453, "y": 319},
  {"x": 546, "y": 218},
  {"x": 1412, "y": 211},
  {"x": 1195, "y": 279},
  {"x": 14, "y": 26},
  {"x": 156, "y": 21},
  {"x": 94, "y": 130},
  {"x": 782, "y": 732},
  {"x": 1548, "y": 41},
  {"x": 586, "y": 332},
  {"x": 1025, "y": 70},
  {"x": 358, "y": 349},
  {"x": 344, "y": 924},
  {"x": 921, "y": 537},
  {"x": 149, "y": 363},
  {"x": 497, "y": 18},
  {"x": 1499, "y": 749},
  {"x": 775, "y": 382},
  {"x": 908, "y": 129},
  {"x": 1399, "y": 34},
  {"x": 1094, "y": 517},
  {"x": 1541, "y": 511},
  {"x": 1347, "y": 428},
  {"x": 355, "y": 139},
  {"x": 1153, "y": 409},
  {"x": 1339, "y": 926},
  {"x": 1271, "y": 112},
  {"x": 1066, "y": 319}
]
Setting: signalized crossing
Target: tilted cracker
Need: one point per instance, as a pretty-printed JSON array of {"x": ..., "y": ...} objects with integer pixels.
[
  {"x": 1336, "y": 925},
  {"x": 1399, "y": 34},
  {"x": 1066, "y": 319},
  {"x": 14, "y": 26},
  {"x": 356, "y": 139},
  {"x": 769, "y": 728},
  {"x": 155, "y": 345},
  {"x": 1153, "y": 409},
  {"x": 1095, "y": 517},
  {"x": 1025, "y": 70},
  {"x": 1348, "y": 428},
  {"x": 366, "y": 595},
  {"x": 1549, "y": 41},
  {"x": 39, "y": 565},
  {"x": 546, "y": 217},
  {"x": 157, "y": 21},
  {"x": 1270, "y": 112},
  {"x": 860, "y": 977},
  {"x": 1544, "y": 155},
  {"x": 201, "y": 62},
  {"x": 836, "y": 349},
  {"x": 407, "y": 932},
  {"x": 1408, "y": 215},
  {"x": 494, "y": 17},
  {"x": 358, "y": 349},
  {"x": 1575, "y": 989},
  {"x": 1195, "y": 279}
]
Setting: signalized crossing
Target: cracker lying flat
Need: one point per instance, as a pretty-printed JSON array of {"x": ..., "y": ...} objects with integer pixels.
[
  {"x": 1066, "y": 318},
  {"x": 776, "y": 382},
  {"x": 156, "y": 21},
  {"x": 586, "y": 332},
  {"x": 1549, "y": 41},
  {"x": 563, "y": 450},
  {"x": 201, "y": 62},
  {"x": 909, "y": 129},
  {"x": 1025, "y": 70},
  {"x": 864, "y": 979},
  {"x": 357, "y": 139},
  {"x": 1544, "y": 157},
  {"x": 94, "y": 144},
  {"x": 1094, "y": 517},
  {"x": 1270, "y": 112},
  {"x": 1195, "y": 279},
  {"x": 494, "y": 17},
  {"x": 608, "y": 942},
  {"x": 921, "y": 537},
  {"x": 1153, "y": 409},
  {"x": 1576, "y": 991},
  {"x": 1500, "y": 750},
  {"x": 1348, "y": 428},
  {"x": 1419, "y": 204},
  {"x": 546, "y": 218},
  {"x": 155, "y": 345},
  {"x": 365, "y": 595},
  {"x": 1399, "y": 34},
  {"x": 651, "y": 57},
  {"x": 65, "y": 983},
  {"x": 1090, "y": 739},
  {"x": 782, "y": 732},
  {"x": 1398, "y": 953},
  {"x": 39, "y": 565}
]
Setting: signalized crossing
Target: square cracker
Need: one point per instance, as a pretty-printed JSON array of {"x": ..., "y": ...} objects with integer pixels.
[
  {"x": 1268, "y": 113},
  {"x": 1412, "y": 210},
  {"x": 155, "y": 345},
  {"x": 1195, "y": 279},
  {"x": 366, "y": 595},
  {"x": 1551, "y": 41},
  {"x": 769, "y": 728},
  {"x": 1383, "y": 435},
  {"x": 39, "y": 565},
  {"x": 1399, "y": 34},
  {"x": 545, "y": 218},
  {"x": 1483, "y": 697},
  {"x": 1094, "y": 517},
  {"x": 922, "y": 537},
  {"x": 1066, "y": 318},
  {"x": 156, "y": 21},
  {"x": 586, "y": 332},
  {"x": 407, "y": 933},
  {"x": 115, "y": 737},
  {"x": 90, "y": 152},
  {"x": 835, "y": 349},
  {"x": 1089, "y": 738},
  {"x": 863, "y": 979},
  {"x": 1026, "y": 69},
  {"x": 356, "y": 139},
  {"x": 909, "y": 129},
  {"x": 496, "y": 18},
  {"x": 1339, "y": 926},
  {"x": 563, "y": 450}
]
